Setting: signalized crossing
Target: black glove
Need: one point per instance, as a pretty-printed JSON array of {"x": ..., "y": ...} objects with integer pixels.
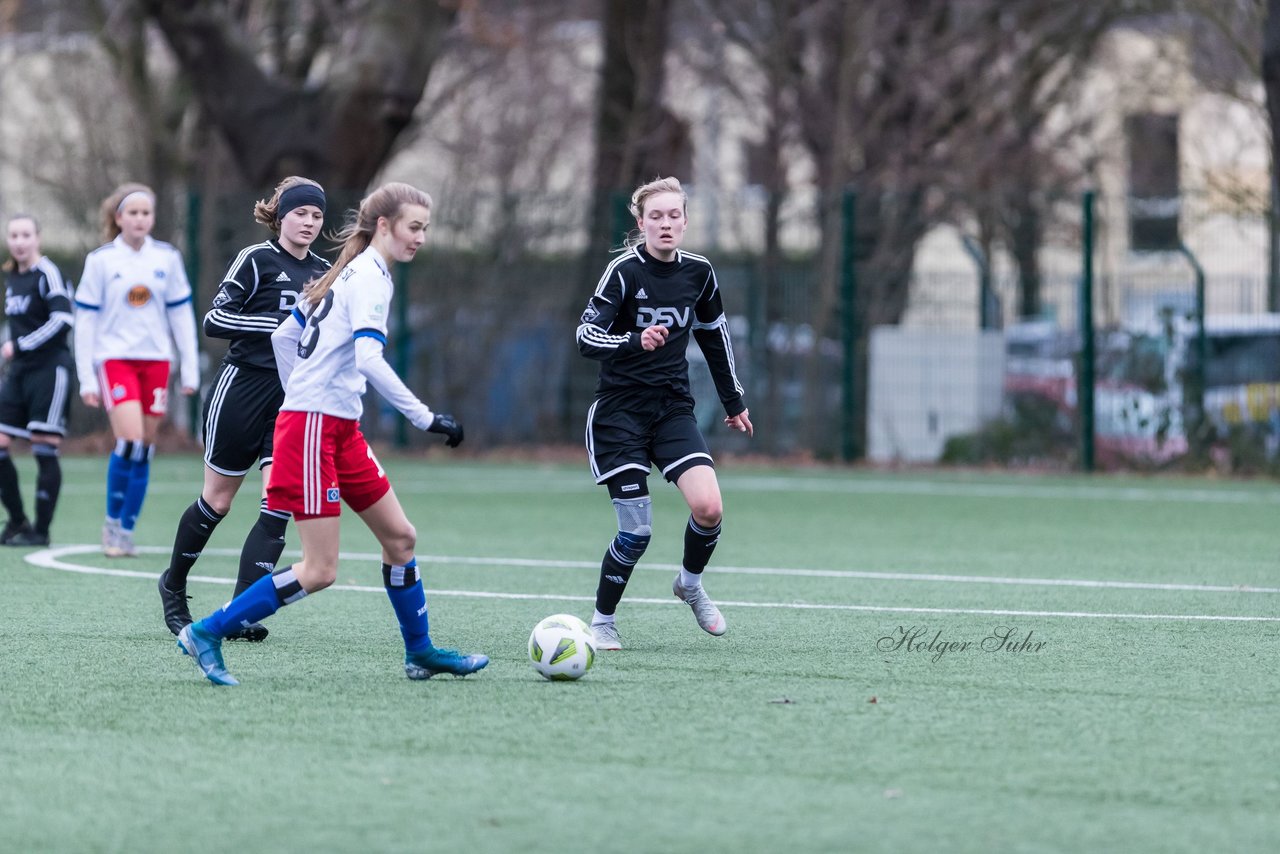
[{"x": 449, "y": 426}]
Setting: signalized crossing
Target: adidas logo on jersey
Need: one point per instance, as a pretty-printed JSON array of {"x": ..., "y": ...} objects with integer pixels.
[
  {"x": 640, "y": 294},
  {"x": 283, "y": 277}
]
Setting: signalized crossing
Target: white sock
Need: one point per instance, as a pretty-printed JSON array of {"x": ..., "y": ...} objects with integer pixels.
[
  {"x": 690, "y": 580},
  {"x": 597, "y": 618}
]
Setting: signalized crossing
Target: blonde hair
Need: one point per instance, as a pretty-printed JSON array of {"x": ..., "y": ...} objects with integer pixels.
[
  {"x": 640, "y": 198},
  {"x": 386, "y": 201},
  {"x": 111, "y": 206},
  {"x": 266, "y": 211},
  {"x": 10, "y": 264}
]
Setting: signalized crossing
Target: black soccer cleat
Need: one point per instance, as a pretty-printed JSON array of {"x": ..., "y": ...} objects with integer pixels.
[
  {"x": 12, "y": 531},
  {"x": 176, "y": 615},
  {"x": 28, "y": 537},
  {"x": 255, "y": 633}
]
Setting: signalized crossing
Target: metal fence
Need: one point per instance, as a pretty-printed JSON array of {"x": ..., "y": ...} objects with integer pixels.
[{"x": 835, "y": 365}]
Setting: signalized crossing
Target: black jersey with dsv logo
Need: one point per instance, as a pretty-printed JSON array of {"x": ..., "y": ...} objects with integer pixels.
[
  {"x": 260, "y": 289},
  {"x": 37, "y": 304},
  {"x": 638, "y": 291}
]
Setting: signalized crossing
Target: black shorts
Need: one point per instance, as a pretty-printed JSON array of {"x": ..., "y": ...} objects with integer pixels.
[
  {"x": 633, "y": 429},
  {"x": 35, "y": 396},
  {"x": 240, "y": 419}
]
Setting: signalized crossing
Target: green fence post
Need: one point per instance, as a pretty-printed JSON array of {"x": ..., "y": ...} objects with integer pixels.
[
  {"x": 1085, "y": 386},
  {"x": 402, "y": 344},
  {"x": 192, "y": 257},
  {"x": 1195, "y": 430},
  {"x": 848, "y": 330},
  {"x": 986, "y": 296},
  {"x": 621, "y": 218}
]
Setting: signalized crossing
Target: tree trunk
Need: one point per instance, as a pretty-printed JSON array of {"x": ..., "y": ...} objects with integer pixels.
[
  {"x": 630, "y": 117},
  {"x": 339, "y": 133},
  {"x": 1271, "y": 82}
]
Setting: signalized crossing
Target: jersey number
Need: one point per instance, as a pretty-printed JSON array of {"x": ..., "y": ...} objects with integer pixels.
[{"x": 311, "y": 335}]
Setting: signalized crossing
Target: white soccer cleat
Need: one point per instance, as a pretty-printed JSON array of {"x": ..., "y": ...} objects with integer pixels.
[
  {"x": 111, "y": 539},
  {"x": 606, "y": 636},
  {"x": 127, "y": 547},
  {"x": 706, "y": 612}
]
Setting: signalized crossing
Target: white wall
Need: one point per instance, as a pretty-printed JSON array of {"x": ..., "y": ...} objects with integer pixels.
[{"x": 928, "y": 385}]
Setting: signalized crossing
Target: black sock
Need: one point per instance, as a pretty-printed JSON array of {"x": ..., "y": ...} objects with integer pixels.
[
  {"x": 699, "y": 543},
  {"x": 194, "y": 530},
  {"x": 10, "y": 496},
  {"x": 262, "y": 548},
  {"x": 48, "y": 484},
  {"x": 614, "y": 576}
]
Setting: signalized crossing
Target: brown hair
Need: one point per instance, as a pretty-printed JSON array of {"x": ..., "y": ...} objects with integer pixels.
[
  {"x": 111, "y": 206},
  {"x": 10, "y": 264},
  {"x": 355, "y": 237},
  {"x": 267, "y": 211},
  {"x": 642, "y": 195}
]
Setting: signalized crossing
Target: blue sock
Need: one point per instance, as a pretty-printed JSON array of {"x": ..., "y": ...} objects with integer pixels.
[
  {"x": 136, "y": 492},
  {"x": 263, "y": 598},
  {"x": 404, "y": 589},
  {"x": 119, "y": 467}
]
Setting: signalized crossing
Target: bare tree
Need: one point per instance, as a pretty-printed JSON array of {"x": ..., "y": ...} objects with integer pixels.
[
  {"x": 637, "y": 136},
  {"x": 317, "y": 88},
  {"x": 1271, "y": 82}
]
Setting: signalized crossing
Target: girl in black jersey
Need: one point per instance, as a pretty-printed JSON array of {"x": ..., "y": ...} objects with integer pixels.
[
  {"x": 259, "y": 290},
  {"x": 33, "y": 399},
  {"x": 637, "y": 324}
]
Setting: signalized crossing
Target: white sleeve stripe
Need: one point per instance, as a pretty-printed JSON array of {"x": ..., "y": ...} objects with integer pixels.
[
  {"x": 592, "y": 334},
  {"x": 719, "y": 321},
  {"x": 608, "y": 272},
  {"x": 53, "y": 276},
  {"x": 47, "y": 330},
  {"x": 240, "y": 259},
  {"x": 231, "y": 320},
  {"x": 728, "y": 352}
]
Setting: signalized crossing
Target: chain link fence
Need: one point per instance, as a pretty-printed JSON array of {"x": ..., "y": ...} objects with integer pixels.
[{"x": 956, "y": 355}]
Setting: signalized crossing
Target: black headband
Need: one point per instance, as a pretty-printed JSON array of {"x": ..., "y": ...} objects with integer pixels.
[{"x": 299, "y": 195}]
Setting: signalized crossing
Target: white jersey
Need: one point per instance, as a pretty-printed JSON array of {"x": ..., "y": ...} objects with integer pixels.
[
  {"x": 133, "y": 304},
  {"x": 324, "y": 377}
]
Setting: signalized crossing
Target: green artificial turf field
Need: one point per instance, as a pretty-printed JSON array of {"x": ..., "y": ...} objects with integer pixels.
[{"x": 914, "y": 662}]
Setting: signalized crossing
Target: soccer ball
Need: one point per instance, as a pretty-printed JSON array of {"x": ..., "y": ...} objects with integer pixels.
[{"x": 561, "y": 647}]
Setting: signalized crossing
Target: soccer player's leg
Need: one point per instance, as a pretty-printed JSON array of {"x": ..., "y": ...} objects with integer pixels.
[
  {"x": 12, "y": 418},
  {"x": 629, "y": 491},
  {"x": 199, "y": 520},
  {"x": 47, "y": 393},
  {"x": 10, "y": 495},
  {"x": 239, "y": 420},
  {"x": 319, "y": 533},
  {"x": 121, "y": 399},
  {"x": 367, "y": 491},
  {"x": 195, "y": 527},
  {"x": 263, "y": 546},
  {"x": 618, "y": 436},
  {"x": 153, "y": 389},
  {"x": 202, "y": 640},
  {"x": 682, "y": 453}
]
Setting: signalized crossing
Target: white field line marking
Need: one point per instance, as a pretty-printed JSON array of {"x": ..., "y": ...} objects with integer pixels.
[
  {"x": 51, "y": 559},
  {"x": 750, "y": 570}
]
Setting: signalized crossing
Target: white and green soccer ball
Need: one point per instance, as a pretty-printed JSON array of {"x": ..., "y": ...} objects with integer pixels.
[{"x": 561, "y": 647}]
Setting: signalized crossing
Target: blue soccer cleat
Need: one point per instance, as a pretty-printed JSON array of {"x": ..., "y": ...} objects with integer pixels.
[
  {"x": 429, "y": 662},
  {"x": 206, "y": 649}
]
